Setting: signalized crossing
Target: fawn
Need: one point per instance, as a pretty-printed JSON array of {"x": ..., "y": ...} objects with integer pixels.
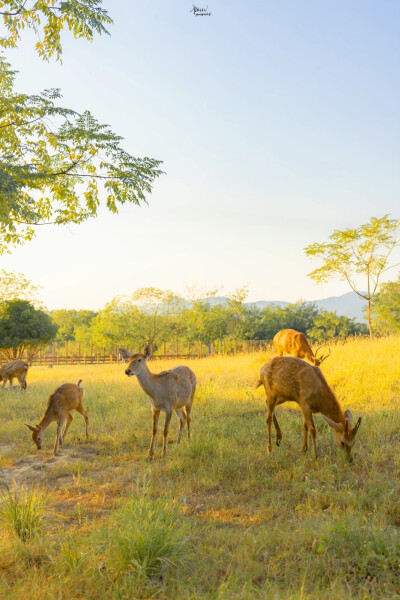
[{"x": 64, "y": 399}]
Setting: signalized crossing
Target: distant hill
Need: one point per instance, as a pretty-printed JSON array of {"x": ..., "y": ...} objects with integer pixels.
[{"x": 348, "y": 305}]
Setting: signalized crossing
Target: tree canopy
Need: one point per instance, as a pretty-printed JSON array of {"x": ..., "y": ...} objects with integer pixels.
[
  {"x": 23, "y": 329},
  {"x": 58, "y": 165},
  {"x": 15, "y": 285},
  {"x": 386, "y": 308},
  {"x": 48, "y": 18}
]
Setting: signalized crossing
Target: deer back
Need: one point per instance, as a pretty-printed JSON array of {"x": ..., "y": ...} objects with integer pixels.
[
  {"x": 64, "y": 399},
  {"x": 290, "y": 378}
]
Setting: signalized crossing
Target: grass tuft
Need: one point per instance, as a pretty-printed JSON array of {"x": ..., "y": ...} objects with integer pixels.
[
  {"x": 147, "y": 538},
  {"x": 22, "y": 511}
]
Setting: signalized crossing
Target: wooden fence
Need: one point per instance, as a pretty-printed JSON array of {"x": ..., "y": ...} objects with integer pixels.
[{"x": 73, "y": 353}]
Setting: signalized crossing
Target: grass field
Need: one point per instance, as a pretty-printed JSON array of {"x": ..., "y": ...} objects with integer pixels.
[{"x": 217, "y": 518}]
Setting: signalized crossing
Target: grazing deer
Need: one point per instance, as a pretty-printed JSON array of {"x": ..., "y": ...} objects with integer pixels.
[
  {"x": 64, "y": 399},
  {"x": 15, "y": 368},
  {"x": 286, "y": 378},
  {"x": 289, "y": 341},
  {"x": 167, "y": 391}
]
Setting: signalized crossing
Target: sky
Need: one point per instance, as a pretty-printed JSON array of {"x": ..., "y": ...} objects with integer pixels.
[{"x": 277, "y": 123}]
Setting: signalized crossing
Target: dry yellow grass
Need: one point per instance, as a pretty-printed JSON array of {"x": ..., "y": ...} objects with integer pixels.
[{"x": 231, "y": 521}]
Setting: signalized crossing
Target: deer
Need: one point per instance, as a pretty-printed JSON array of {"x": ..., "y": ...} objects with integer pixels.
[
  {"x": 286, "y": 378},
  {"x": 168, "y": 391},
  {"x": 15, "y": 368},
  {"x": 61, "y": 402},
  {"x": 290, "y": 341}
]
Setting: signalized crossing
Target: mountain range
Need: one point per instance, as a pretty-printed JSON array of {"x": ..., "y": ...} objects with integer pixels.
[{"x": 348, "y": 305}]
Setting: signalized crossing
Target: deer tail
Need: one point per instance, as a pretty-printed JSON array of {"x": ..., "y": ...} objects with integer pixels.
[
  {"x": 79, "y": 382},
  {"x": 259, "y": 382}
]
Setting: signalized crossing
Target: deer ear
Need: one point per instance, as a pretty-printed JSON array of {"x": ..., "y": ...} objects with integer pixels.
[
  {"x": 336, "y": 426},
  {"x": 30, "y": 427},
  {"x": 147, "y": 352},
  {"x": 357, "y": 425},
  {"x": 125, "y": 354},
  {"x": 349, "y": 416}
]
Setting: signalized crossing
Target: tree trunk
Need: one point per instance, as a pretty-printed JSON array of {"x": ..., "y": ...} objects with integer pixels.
[{"x": 371, "y": 335}]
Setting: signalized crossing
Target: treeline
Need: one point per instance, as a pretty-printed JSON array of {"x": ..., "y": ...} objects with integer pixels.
[{"x": 155, "y": 316}]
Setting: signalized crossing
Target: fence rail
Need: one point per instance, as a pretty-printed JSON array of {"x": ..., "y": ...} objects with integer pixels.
[{"x": 71, "y": 354}]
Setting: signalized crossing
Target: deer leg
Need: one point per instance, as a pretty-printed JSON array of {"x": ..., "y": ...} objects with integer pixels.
[
  {"x": 278, "y": 430},
  {"x": 188, "y": 419},
  {"x": 309, "y": 424},
  {"x": 156, "y": 416},
  {"x": 84, "y": 414},
  {"x": 182, "y": 421},
  {"x": 69, "y": 421},
  {"x": 269, "y": 422},
  {"x": 168, "y": 416},
  {"x": 305, "y": 436},
  {"x": 11, "y": 383},
  {"x": 59, "y": 435}
]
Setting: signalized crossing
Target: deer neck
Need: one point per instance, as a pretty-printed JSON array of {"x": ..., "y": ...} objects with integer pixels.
[
  {"x": 332, "y": 409},
  {"x": 147, "y": 381},
  {"x": 45, "y": 420}
]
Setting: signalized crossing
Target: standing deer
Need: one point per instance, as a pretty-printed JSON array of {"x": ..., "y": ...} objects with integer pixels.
[
  {"x": 291, "y": 379},
  {"x": 289, "y": 341},
  {"x": 60, "y": 403},
  {"x": 167, "y": 391},
  {"x": 15, "y": 368}
]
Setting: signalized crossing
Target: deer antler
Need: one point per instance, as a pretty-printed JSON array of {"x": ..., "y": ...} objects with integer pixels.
[{"x": 323, "y": 357}]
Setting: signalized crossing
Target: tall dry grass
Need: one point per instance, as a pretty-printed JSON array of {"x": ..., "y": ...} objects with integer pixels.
[{"x": 234, "y": 523}]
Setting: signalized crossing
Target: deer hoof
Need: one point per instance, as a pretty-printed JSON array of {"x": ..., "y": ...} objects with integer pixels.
[{"x": 278, "y": 442}]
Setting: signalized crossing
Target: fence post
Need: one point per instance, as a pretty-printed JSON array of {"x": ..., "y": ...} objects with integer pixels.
[
  {"x": 177, "y": 351},
  {"x": 104, "y": 355},
  {"x": 111, "y": 359},
  {"x": 188, "y": 350}
]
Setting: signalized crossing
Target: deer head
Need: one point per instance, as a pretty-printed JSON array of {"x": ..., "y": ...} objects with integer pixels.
[
  {"x": 345, "y": 433},
  {"x": 137, "y": 361},
  {"x": 37, "y": 434},
  {"x": 318, "y": 361}
]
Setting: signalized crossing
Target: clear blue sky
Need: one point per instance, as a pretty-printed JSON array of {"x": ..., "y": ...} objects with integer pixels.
[{"x": 277, "y": 122}]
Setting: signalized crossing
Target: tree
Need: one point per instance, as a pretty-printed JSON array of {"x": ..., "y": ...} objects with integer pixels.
[
  {"x": 364, "y": 251},
  {"x": 299, "y": 316},
  {"x": 117, "y": 323},
  {"x": 56, "y": 164},
  {"x": 328, "y": 325},
  {"x": 159, "y": 308},
  {"x": 69, "y": 322},
  {"x": 16, "y": 285},
  {"x": 24, "y": 329},
  {"x": 206, "y": 323},
  {"x": 386, "y": 308}
]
